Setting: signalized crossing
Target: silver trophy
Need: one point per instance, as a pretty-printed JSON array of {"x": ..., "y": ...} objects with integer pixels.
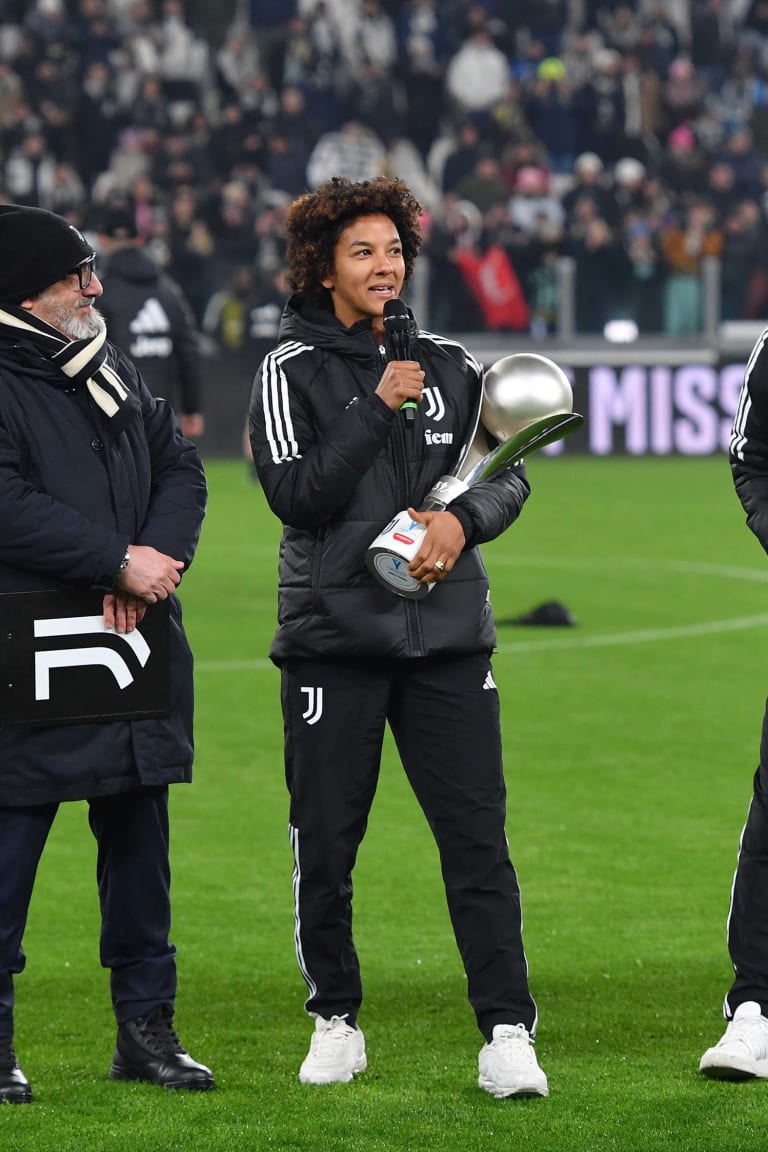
[{"x": 527, "y": 404}]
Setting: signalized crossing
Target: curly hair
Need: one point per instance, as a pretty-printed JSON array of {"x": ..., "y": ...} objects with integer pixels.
[{"x": 316, "y": 220}]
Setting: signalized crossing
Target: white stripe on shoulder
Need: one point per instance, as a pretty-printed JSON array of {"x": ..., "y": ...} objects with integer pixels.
[
  {"x": 276, "y": 403},
  {"x": 739, "y": 431},
  {"x": 445, "y": 342}
]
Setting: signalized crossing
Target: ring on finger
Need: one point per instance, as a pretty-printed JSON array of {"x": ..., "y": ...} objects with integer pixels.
[{"x": 440, "y": 565}]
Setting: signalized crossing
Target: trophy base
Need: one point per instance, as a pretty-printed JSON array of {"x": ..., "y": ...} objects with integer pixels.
[{"x": 390, "y": 554}]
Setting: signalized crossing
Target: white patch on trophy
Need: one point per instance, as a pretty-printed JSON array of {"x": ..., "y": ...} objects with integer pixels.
[{"x": 527, "y": 404}]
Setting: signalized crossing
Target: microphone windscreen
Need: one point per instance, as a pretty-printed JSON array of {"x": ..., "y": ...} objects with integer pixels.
[
  {"x": 397, "y": 344},
  {"x": 395, "y": 315}
]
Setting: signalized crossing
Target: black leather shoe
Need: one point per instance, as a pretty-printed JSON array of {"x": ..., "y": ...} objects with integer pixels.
[
  {"x": 149, "y": 1049},
  {"x": 14, "y": 1086}
]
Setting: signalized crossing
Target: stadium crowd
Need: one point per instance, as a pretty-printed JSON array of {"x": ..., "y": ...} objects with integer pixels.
[{"x": 628, "y": 135}]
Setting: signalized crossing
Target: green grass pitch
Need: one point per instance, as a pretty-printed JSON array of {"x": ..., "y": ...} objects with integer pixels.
[{"x": 630, "y": 743}]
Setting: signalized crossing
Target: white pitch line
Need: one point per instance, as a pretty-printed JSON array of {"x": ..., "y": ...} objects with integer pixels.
[
  {"x": 644, "y": 636},
  {"x": 559, "y": 644},
  {"x": 607, "y": 563},
  {"x": 607, "y": 640},
  {"x": 257, "y": 665}
]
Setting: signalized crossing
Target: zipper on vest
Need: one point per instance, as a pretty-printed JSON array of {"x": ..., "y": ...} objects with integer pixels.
[{"x": 400, "y": 460}]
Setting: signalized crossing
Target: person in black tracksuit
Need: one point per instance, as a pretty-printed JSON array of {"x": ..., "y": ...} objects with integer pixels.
[
  {"x": 742, "y": 1051},
  {"x": 336, "y": 462},
  {"x": 150, "y": 319}
]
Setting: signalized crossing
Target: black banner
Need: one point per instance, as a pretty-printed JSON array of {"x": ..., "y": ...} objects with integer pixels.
[{"x": 59, "y": 664}]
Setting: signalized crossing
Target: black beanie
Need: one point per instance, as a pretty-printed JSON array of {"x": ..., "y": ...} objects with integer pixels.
[{"x": 37, "y": 248}]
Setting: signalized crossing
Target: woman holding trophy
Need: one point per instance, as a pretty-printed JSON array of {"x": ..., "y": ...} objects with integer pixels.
[{"x": 337, "y": 459}]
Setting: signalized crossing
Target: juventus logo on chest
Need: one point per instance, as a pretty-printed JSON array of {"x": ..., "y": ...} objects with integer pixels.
[{"x": 434, "y": 406}]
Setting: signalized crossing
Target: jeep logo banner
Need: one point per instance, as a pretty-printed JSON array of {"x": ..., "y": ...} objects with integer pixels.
[{"x": 59, "y": 664}]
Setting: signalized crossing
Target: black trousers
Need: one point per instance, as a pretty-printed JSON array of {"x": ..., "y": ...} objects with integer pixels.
[
  {"x": 444, "y": 716},
  {"x": 748, "y": 917},
  {"x": 133, "y": 874}
]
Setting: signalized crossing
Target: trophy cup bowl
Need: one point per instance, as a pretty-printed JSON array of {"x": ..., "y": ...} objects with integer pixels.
[
  {"x": 521, "y": 389},
  {"x": 527, "y": 404},
  {"x": 524, "y": 395}
]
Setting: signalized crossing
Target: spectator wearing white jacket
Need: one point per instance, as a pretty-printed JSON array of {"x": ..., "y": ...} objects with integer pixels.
[
  {"x": 29, "y": 170},
  {"x": 478, "y": 75},
  {"x": 374, "y": 41},
  {"x": 354, "y": 151}
]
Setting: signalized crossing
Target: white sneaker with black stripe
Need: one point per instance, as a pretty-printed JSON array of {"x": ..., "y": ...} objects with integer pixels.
[
  {"x": 508, "y": 1064},
  {"x": 336, "y": 1053},
  {"x": 741, "y": 1053}
]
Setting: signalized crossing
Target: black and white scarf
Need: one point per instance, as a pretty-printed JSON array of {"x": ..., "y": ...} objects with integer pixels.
[{"x": 83, "y": 363}]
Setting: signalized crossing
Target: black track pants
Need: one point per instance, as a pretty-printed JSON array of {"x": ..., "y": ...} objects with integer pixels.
[
  {"x": 748, "y": 919},
  {"x": 444, "y": 716}
]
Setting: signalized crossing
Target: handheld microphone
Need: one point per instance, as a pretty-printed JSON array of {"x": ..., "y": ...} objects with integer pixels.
[{"x": 397, "y": 343}]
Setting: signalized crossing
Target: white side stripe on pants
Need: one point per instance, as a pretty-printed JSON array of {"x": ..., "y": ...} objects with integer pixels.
[{"x": 293, "y": 834}]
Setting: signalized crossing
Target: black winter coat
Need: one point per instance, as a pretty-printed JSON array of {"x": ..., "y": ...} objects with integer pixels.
[
  {"x": 72, "y": 498},
  {"x": 150, "y": 320},
  {"x": 336, "y": 464}
]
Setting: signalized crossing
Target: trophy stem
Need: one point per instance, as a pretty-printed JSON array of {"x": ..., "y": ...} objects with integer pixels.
[
  {"x": 529, "y": 439},
  {"x": 536, "y": 435}
]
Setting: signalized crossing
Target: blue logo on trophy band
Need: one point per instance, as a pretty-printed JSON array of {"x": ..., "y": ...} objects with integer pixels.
[{"x": 394, "y": 570}]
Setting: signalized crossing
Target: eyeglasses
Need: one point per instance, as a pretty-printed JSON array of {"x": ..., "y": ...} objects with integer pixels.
[{"x": 84, "y": 272}]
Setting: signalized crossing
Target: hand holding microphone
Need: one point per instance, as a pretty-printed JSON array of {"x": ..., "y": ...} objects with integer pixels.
[{"x": 401, "y": 385}]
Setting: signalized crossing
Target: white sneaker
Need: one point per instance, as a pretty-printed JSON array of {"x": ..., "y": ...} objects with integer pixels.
[
  {"x": 508, "y": 1065},
  {"x": 336, "y": 1053},
  {"x": 742, "y": 1051}
]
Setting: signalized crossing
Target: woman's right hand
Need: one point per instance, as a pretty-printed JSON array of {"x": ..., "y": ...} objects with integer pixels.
[{"x": 402, "y": 380}]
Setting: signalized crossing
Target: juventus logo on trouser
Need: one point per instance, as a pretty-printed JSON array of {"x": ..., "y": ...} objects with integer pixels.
[{"x": 314, "y": 708}]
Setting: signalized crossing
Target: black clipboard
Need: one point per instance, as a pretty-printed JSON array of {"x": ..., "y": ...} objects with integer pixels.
[{"x": 59, "y": 665}]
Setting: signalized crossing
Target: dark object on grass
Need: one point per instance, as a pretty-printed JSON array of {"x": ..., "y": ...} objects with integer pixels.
[{"x": 551, "y": 614}]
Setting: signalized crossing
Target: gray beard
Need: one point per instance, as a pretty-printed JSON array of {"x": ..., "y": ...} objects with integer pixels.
[
  {"x": 85, "y": 327},
  {"x": 73, "y": 326}
]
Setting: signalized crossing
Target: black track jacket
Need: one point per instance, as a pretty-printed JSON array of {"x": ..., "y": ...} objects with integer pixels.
[
  {"x": 148, "y": 317},
  {"x": 749, "y": 441},
  {"x": 336, "y": 464}
]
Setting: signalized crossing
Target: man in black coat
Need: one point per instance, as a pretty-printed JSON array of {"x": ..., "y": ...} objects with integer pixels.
[
  {"x": 101, "y": 501},
  {"x": 149, "y": 317}
]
